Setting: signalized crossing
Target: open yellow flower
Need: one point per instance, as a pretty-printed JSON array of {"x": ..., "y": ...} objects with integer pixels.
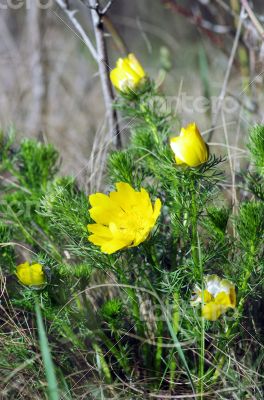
[
  {"x": 30, "y": 275},
  {"x": 123, "y": 219},
  {"x": 217, "y": 297},
  {"x": 127, "y": 74},
  {"x": 189, "y": 148}
]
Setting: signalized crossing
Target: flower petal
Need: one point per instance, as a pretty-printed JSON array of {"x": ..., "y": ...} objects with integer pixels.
[
  {"x": 103, "y": 209},
  {"x": 134, "y": 63},
  {"x": 223, "y": 299},
  {"x": 212, "y": 311}
]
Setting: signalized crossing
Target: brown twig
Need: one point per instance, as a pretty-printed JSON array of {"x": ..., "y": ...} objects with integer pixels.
[
  {"x": 103, "y": 64},
  {"x": 253, "y": 18},
  {"x": 211, "y": 30},
  {"x": 117, "y": 39}
]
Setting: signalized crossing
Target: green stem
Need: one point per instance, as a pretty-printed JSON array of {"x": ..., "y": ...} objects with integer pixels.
[
  {"x": 149, "y": 120},
  {"x": 194, "y": 244},
  {"x": 158, "y": 354},
  {"x": 113, "y": 348},
  {"x": 172, "y": 366},
  {"x": 202, "y": 338},
  {"x": 153, "y": 129},
  {"x": 175, "y": 324},
  {"x": 201, "y": 360},
  {"x": 198, "y": 274}
]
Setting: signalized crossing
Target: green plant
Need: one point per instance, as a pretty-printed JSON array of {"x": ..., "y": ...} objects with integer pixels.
[{"x": 127, "y": 316}]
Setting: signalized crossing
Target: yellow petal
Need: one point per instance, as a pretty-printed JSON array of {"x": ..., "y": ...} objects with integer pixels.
[
  {"x": 174, "y": 147},
  {"x": 137, "y": 67},
  {"x": 207, "y": 297},
  {"x": 121, "y": 234},
  {"x": 104, "y": 216},
  {"x": 130, "y": 70},
  {"x": 212, "y": 311},
  {"x": 103, "y": 209},
  {"x": 124, "y": 187},
  {"x": 191, "y": 128},
  {"x": 216, "y": 286},
  {"x": 107, "y": 243},
  {"x": 229, "y": 288},
  {"x": 179, "y": 161},
  {"x": 98, "y": 240},
  {"x": 145, "y": 204},
  {"x": 140, "y": 237},
  {"x": 124, "y": 197},
  {"x": 21, "y": 267},
  {"x": 113, "y": 246},
  {"x": 227, "y": 299},
  {"x": 130, "y": 74},
  {"x": 119, "y": 63},
  {"x": 100, "y": 230},
  {"x": 99, "y": 199},
  {"x": 119, "y": 79},
  {"x": 222, "y": 299}
]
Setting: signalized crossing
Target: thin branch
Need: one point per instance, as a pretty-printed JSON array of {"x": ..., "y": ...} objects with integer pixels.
[
  {"x": 37, "y": 19},
  {"x": 227, "y": 8},
  {"x": 106, "y": 8},
  {"x": 227, "y": 74},
  {"x": 211, "y": 30},
  {"x": 104, "y": 69},
  {"x": 117, "y": 39},
  {"x": 63, "y": 4},
  {"x": 253, "y": 18},
  {"x": 232, "y": 171},
  {"x": 100, "y": 55}
]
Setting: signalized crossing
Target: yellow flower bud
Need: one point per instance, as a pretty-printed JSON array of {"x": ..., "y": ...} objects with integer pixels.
[
  {"x": 127, "y": 74},
  {"x": 30, "y": 275},
  {"x": 217, "y": 297},
  {"x": 189, "y": 148}
]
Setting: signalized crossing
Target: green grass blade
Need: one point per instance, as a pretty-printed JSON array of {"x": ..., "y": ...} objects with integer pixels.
[{"x": 53, "y": 393}]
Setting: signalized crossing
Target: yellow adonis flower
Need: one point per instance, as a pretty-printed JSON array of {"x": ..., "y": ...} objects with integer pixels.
[
  {"x": 189, "y": 148},
  {"x": 127, "y": 74},
  {"x": 217, "y": 297},
  {"x": 30, "y": 275},
  {"x": 123, "y": 219}
]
